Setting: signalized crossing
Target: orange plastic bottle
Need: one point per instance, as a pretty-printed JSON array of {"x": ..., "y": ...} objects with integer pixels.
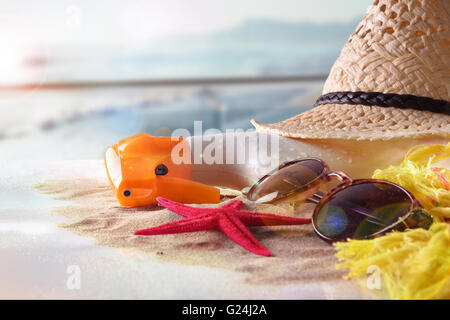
[{"x": 142, "y": 167}]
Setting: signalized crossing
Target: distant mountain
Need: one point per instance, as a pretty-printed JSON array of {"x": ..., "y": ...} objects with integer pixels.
[
  {"x": 264, "y": 30},
  {"x": 259, "y": 47}
]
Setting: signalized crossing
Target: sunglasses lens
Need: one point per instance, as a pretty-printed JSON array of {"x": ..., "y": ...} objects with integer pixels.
[
  {"x": 294, "y": 177},
  {"x": 361, "y": 211}
]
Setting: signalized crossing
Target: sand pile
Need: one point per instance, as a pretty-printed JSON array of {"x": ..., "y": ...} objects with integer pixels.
[{"x": 298, "y": 254}]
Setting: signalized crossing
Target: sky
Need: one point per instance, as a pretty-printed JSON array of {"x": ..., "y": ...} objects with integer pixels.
[{"x": 121, "y": 22}]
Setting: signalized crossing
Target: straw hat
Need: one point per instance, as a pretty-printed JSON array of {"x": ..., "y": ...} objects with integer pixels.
[{"x": 391, "y": 80}]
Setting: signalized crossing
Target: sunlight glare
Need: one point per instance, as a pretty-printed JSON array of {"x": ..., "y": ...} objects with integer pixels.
[{"x": 10, "y": 61}]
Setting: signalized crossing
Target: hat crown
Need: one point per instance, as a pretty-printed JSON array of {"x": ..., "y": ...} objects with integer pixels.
[{"x": 401, "y": 46}]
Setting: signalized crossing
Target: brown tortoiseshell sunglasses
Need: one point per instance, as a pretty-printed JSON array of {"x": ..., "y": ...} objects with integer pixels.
[{"x": 356, "y": 209}]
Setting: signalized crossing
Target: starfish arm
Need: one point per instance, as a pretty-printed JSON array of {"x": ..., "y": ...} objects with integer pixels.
[
  {"x": 234, "y": 229},
  {"x": 181, "y": 209},
  {"x": 255, "y": 219},
  {"x": 184, "y": 225},
  {"x": 236, "y": 204}
]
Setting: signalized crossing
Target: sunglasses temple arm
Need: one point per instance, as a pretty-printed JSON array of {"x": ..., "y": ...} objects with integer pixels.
[
  {"x": 317, "y": 197},
  {"x": 419, "y": 218},
  {"x": 340, "y": 175},
  {"x": 345, "y": 179}
]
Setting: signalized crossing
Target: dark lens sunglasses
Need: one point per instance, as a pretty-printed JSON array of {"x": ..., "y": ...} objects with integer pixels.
[{"x": 356, "y": 209}]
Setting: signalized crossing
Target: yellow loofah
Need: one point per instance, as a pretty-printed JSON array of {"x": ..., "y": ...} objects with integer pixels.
[
  {"x": 430, "y": 185},
  {"x": 414, "y": 264}
]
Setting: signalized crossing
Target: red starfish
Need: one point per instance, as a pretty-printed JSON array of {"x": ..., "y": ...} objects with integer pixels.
[{"x": 229, "y": 219}]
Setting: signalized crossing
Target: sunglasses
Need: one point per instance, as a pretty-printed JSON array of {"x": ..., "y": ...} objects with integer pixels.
[{"x": 356, "y": 209}]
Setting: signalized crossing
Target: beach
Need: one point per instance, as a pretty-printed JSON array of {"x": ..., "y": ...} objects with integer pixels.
[
  {"x": 58, "y": 210},
  {"x": 61, "y": 214}
]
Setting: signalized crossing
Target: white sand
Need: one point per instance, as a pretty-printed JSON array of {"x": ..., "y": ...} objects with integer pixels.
[{"x": 121, "y": 265}]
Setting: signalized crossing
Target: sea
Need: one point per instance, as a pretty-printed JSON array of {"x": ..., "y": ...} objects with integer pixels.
[{"x": 74, "y": 124}]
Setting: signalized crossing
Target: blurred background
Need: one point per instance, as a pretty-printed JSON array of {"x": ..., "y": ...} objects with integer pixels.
[{"x": 77, "y": 76}]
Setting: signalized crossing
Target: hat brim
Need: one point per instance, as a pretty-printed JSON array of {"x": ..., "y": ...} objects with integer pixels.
[{"x": 358, "y": 122}]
